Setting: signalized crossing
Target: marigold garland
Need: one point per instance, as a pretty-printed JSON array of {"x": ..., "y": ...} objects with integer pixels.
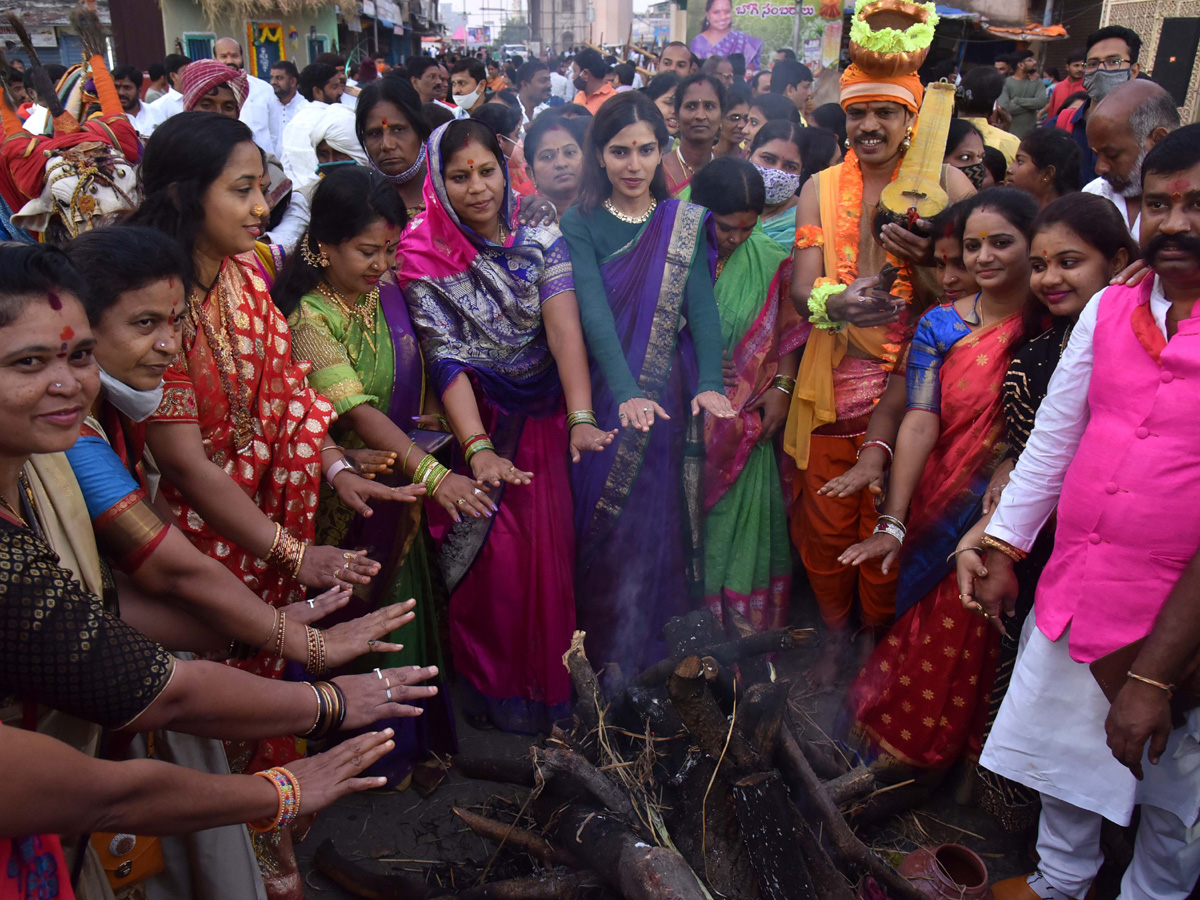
[
  {"x": 809, "y": 236},
  {"x": 850, "y": 199}
]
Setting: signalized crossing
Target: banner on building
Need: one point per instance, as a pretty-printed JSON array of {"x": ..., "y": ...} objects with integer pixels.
[
  {"x": 480, "y": 35},
  {"x": 757, "y": 28}
]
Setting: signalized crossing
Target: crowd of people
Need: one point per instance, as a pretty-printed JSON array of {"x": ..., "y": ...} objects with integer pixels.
[{"x": 381, "y": 379}]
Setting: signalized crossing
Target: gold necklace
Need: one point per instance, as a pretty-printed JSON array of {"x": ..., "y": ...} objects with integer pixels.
[
  {"x": 630, "y": 220},
  {"x": 688, "y": 169},
  {"x": 721, "y": 260},
  {"x": 23, "y": 486},
  {"x": 362, "y": 309}
]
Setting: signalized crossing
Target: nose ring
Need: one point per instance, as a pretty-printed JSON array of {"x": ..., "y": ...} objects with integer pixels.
[{"x": 259, "y": 210}]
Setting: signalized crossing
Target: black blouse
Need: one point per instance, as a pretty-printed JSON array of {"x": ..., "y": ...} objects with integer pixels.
[
  {"x": 61, "y": 648},
  {"x": 1028, "y": 380}
]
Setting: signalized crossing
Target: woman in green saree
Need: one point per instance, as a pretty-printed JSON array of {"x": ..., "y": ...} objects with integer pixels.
[
  {"x": 748, "y": 557},
  {"x": 350, "y": 322}
]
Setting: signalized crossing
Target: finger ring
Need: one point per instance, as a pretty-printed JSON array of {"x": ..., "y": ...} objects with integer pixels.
[
  {"x": 378, "y": 674},
  {"x": 337, "y": 572},
  {"x": 312, "y": 604},
  {"x": 387, "y": 682},
  {"x": 389, "y": 693},
  {"x": 645, "y": 409},
  {"x": 623, "y": 416},
  {"x": 349, "y": 555},
  {"x": 478, "y": 492},
  {"x": 370, "y": 646},
  {"x": 460, "y": 501},
  {"x": 512, "y": 468},
  {"x": 963, "y": 596}
]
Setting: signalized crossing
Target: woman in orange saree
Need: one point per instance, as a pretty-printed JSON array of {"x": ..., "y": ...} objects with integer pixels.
[{"x": 920, "y": 701}]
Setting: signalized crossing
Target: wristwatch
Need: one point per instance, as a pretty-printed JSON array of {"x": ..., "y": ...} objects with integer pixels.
[{"x": 340, "y": 465}]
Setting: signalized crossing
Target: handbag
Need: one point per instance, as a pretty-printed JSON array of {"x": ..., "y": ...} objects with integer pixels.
[{"x": 129, "y": 859}]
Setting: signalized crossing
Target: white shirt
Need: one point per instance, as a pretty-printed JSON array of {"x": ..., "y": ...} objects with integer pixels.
[
  {"x": 1102, "y": 188},
  {"x": 537, "y": 111},
  {"x": 349, "y": 100},
  {"x": 299, "y": 159},
  {"x": 289, "y": 109},
  {"x": 1033, "y": 490},
  {"x": 260, "y": 113},
  {"x": 144, "y": 121},
  {"x": 561, "y": 87},
  {"x": 294, "y": 222},
  {"x": 169, "y": 104}
]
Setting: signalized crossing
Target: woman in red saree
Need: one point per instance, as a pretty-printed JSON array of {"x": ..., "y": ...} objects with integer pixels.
[
  {"x": 921, "y": 699},
  {"x": 240, "y": 438}
]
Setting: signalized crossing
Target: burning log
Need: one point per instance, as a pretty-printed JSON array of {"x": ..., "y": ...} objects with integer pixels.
[
  {"x": 703, "y": 716},
  {"x": 805, "y": 783},
  {"x": 764, "y": 812},
  {"x": 730, "y": 652},
  {"x": 632, "y": 867},
  {"x": 582, "y": 776},
  {"x": 517, "y": 839}
]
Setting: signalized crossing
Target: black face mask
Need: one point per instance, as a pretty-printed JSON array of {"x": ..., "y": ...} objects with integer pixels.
[
  {"x": 580, "y": 83},
  {"x": 977, "y": 172}
]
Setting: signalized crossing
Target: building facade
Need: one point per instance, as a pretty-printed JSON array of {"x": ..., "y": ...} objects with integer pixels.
[{"x": 1180, "y": 20}]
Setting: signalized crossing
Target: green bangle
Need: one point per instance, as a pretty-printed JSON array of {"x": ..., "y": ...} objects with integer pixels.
[{"x": 817, "y": 300}]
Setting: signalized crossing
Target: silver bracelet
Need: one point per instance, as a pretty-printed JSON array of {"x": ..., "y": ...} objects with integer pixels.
[{"x": 891, "y": 528}]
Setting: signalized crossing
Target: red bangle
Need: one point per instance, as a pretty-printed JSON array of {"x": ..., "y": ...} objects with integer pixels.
[{"x": 288, "y": 789}]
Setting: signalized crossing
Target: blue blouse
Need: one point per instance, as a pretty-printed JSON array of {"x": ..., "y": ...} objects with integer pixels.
[{"x": 939, "y": 330}]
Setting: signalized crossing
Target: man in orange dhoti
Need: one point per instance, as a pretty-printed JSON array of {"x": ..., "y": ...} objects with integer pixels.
[{"x": 860, "y": 333}]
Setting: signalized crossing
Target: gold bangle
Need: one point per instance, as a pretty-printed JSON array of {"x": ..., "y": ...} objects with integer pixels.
[
  {"x": 784, "y": 383},
  {"x": 1004, "y": 547},
  {"x": 1169, "y": 688},
  {"x": 404, "y": 463},
  {"x": 581, "y": 417},
  {"x": 953, "y": 556}
]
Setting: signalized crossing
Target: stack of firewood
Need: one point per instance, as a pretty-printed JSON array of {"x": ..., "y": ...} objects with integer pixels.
[{"x": 691, "y": 782}]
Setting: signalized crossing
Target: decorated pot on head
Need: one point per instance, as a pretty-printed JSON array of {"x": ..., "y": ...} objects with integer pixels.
[{"x": 889, "y": 40}]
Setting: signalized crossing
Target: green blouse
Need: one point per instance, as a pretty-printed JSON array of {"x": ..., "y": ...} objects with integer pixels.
[
  {"x": 350, "y": 350},
  {"x": 596, "y": 235}
]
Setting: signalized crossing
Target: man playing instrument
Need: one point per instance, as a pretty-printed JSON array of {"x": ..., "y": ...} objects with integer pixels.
[{"x": 860, "y": 330}]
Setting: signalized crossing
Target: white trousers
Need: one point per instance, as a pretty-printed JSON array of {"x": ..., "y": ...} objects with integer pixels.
[{"x": 1166, "y": 854}]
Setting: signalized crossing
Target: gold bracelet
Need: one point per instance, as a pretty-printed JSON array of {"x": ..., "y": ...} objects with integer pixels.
[
  {"x": 784, "y": 383},
  {"x": 1169, "y": 688},
  {"x": 581, "y": 417},
  {"x": 1004, "y": 547},
  {"x": 316, "y": 650},
  {"x": 953, "y": 556}
]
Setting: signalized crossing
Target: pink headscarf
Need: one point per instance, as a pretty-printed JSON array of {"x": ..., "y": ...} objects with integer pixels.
[
  {"x": 436, "y": 244},
  {"x": 202, "y": 76}
]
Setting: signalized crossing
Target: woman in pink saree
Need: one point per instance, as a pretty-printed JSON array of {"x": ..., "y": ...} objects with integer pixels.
[{"x": 493, "y": 304}]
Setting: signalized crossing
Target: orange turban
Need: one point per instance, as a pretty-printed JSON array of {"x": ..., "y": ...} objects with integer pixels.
[{"x": 859, "y": 87}]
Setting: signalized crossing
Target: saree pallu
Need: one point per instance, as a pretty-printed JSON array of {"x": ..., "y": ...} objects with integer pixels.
[
  {"x": 261, "y": 424},
  {"x": 748, "y": 558},
  {"x": 376, "y": 360},
  {"x": 638, "y": 504},
  {"x": 920, "y": 702},
  {"x": 781, "y": 227}
]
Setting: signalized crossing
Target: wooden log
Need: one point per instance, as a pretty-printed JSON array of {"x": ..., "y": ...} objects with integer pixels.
[
  {"x": 693, "y": 632},
  {"x": 589, "y": 700},
  {"x": 362, "y": 882},
  {"x": 584, "y": 777},
  {"x": 850, "y": 787},
  {"x": 762, "y": 805},
  {"x": 630, "y": 866},
  {"x": 761, "y": 715},
  {"x": 518, "y": 839},
  {"x": 703, "y": 717},
  {"x": 543, "y": 887},
  {"x": 805, "y": 783},
  {"x": 730, "y": 652},
  {"x": 828, "y": 882},
  {"x": 705, "y": 830},
  {"x": 506, "y": 771},
  {"x": 392, "y": 886}
]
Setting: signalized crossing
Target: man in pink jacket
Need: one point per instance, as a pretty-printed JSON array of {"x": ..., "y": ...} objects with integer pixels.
[{"x": 1116, "y": 450}]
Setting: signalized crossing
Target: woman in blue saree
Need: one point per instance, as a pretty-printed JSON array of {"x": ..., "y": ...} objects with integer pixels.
[{"x": 644, "y": 265}]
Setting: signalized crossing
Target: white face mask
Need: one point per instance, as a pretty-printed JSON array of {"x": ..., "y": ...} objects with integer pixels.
[
  {"x": 466, "y": 101},
  {"x": 779, "y": 185},
  {"x": 138, "y": 405}
]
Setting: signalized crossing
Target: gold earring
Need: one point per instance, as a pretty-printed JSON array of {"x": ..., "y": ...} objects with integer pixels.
[
  {"x": 315, "y": 260},
  {"x": 907, "y": 142}
]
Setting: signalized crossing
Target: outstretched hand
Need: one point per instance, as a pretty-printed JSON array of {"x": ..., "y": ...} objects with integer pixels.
[
  {"x": 877, "y": 545},
  {"x": 355, "y": 491},
  {"x": 714, "y": 403}
]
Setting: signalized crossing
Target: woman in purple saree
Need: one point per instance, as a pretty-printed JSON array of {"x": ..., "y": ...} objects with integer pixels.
[
  {"x": 493, "y": 304},
  {"x": 645, "y": 266}
]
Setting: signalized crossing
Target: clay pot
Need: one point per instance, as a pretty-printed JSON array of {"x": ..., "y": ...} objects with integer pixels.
[
  {"x": 948, "y": 872},
  {"x": 898, "y": 14}
]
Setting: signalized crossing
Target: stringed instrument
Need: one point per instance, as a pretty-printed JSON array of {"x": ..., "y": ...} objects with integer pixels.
[{"x": 917, "y": 192}]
